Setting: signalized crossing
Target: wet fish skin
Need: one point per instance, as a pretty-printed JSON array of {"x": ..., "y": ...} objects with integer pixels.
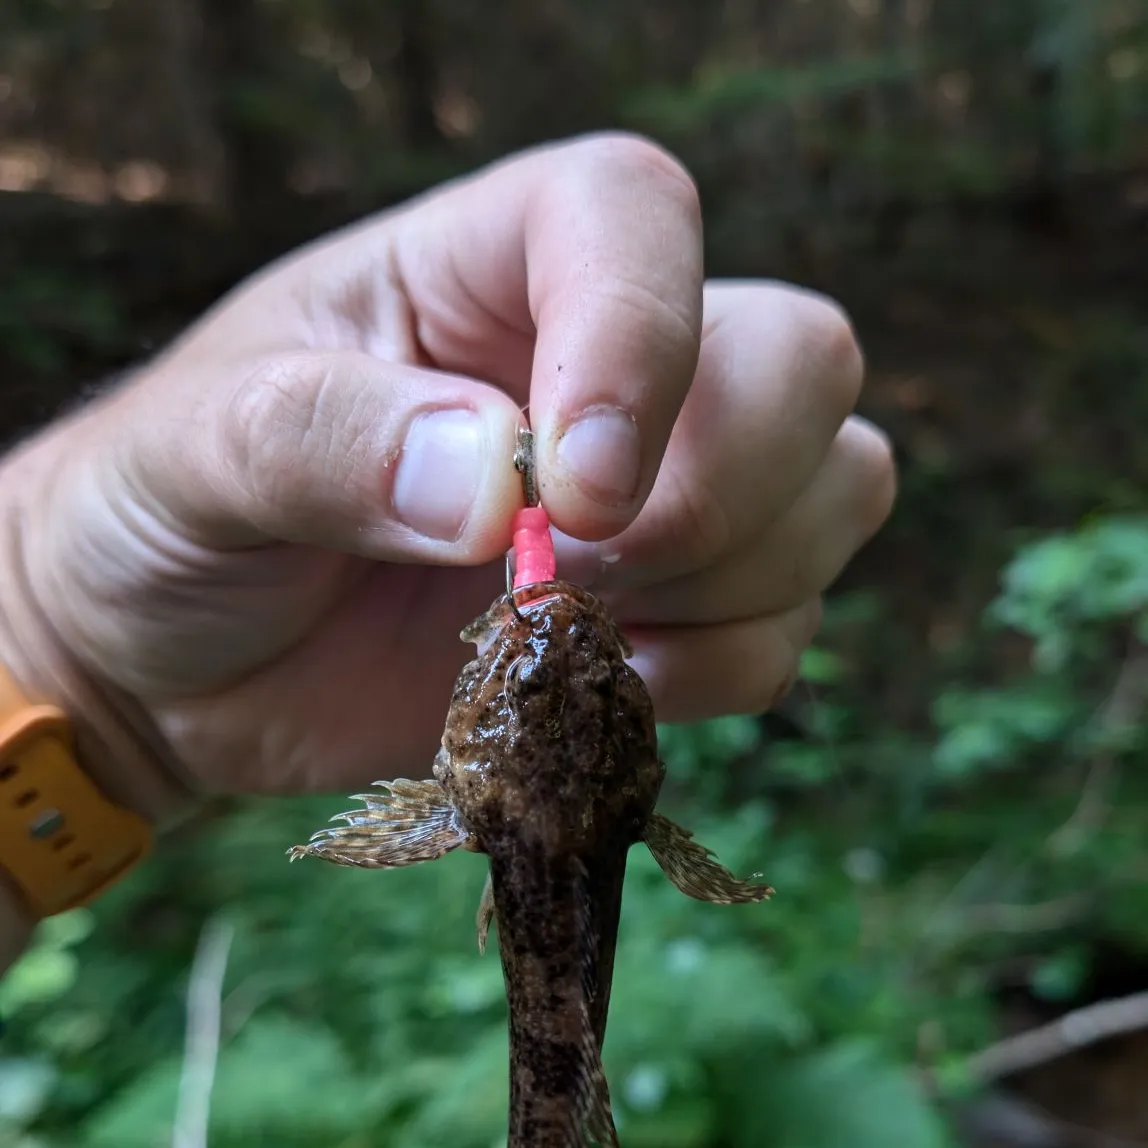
[{"x": 549, "y": 765}]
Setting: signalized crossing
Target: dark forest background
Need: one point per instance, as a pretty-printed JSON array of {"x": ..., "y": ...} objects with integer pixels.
[{"x": 953, "y": 807}]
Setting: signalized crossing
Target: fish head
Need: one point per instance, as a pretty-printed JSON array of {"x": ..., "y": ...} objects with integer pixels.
[{"x": 550, "y": 730}]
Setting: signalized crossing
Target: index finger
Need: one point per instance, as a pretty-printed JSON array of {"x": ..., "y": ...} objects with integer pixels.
[
  {"x": 594, "y": 246},
  {"x": 615, "y": 275}
]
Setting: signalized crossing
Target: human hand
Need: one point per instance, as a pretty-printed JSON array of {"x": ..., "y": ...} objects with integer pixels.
[{"x": 264, "y": 545}]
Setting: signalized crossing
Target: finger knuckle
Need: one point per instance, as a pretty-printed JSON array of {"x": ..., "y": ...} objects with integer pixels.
[
  {"x": 270, "y": 425},
  {"x": 765, "y": 683},
  {"x": 832, "y": 341},
  {"x": 638, "y": 157},
  {"x": 698, "y": 527},
  {"x": 672, "y": 325},
  {"x": 877, "y": 474},
  {"x": 779, "y": 665},
  {"x": 767, "y": 662},
  {"x": 812, "y": 615}
]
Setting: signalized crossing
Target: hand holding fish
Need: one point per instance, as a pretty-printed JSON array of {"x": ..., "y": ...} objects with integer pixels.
[
  {"x": 257, "y": 551},
  {"x": 549, "y": 765}
]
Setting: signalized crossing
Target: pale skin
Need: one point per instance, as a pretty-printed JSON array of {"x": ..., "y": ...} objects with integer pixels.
[{"x": 262, "y": 546}]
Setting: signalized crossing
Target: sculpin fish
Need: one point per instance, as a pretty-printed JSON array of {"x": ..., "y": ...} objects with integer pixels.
[{"x": 549, "y": 765}]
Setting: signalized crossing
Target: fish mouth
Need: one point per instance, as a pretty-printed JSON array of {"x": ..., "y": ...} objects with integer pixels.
[
  {"x": 534, "y": 595},
  {"x": 528, "y": 602}
]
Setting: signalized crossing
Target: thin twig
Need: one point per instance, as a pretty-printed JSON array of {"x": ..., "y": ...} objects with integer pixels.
[
  {"x": 1069, "y": 1033},
  {"x": 1043, "y": 916},
  {"x": 201, "y": 1046},
  {"x": 1123, "y": 707},
  {"x": 241, "y": 1002}
]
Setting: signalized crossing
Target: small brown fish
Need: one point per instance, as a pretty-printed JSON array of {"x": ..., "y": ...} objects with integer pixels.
[{"x": 549, "y": 765}]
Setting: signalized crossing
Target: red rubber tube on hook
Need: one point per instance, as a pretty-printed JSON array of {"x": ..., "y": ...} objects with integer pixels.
[{"x": 533, "y": 547}]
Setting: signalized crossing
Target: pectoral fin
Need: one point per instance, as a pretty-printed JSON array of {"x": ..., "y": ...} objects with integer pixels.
[
  {"x": 408, "y": 822},
  {"x": 693, "y": 869}
]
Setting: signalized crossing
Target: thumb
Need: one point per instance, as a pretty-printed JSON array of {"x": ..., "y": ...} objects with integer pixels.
[{"x": 333, "y": 449}]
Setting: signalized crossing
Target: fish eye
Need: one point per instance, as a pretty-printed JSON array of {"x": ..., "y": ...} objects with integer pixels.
[
  {"x": 522, "y": 675},
  {"x": 517, "y": 674}
]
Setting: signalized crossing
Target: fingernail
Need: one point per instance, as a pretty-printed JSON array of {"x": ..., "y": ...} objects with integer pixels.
[
  {"x": 439, "y": 473},
  {"x": 601, "y": 452}
]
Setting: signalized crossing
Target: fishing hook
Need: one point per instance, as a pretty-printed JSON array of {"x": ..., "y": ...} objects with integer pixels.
[
  {"x": 510, "y": 592},
  {"x": 524, "y": 464}
]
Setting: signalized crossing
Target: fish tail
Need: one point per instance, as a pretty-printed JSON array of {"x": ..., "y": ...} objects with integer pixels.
[{"x": 551, "y": 934}]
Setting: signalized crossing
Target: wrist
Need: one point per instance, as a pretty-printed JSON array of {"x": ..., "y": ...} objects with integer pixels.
[{"x": 117, "y": 745}]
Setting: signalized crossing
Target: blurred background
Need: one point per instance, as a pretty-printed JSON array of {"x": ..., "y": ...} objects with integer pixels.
[{"x": 953, "y": 806}]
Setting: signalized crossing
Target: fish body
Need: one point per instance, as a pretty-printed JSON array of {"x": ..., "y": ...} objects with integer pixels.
[
  {"x": 549, "y": 765},
  {"x": 550, "y": 757}
]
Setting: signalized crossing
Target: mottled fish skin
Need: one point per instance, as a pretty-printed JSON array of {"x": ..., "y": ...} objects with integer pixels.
[
  {"x": 549, "y": 765},
  {"x": 550, "y": 757}
]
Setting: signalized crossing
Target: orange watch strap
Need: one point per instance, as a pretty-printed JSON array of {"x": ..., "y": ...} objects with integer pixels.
[{"x": 62, "y": 842}]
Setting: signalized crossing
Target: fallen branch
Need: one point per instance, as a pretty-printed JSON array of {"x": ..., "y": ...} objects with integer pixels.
[
  {"x": 201, "y": 1047},
  {"x": 1020, "y": 919},
  {"x": 1122, "y": 709},
  {"x": 1070, "y": 1033}
]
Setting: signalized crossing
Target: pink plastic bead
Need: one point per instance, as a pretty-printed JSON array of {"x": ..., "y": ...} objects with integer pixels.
[{"x": 533, "y": 547}]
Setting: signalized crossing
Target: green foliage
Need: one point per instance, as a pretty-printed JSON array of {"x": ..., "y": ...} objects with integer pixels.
[
  {"x": 42, "y": 976},
  {"x": 1061, "y": 590},
  {"x": 357, "y": 1013},
  {"x": 41, "y": 313},
  {"x": 1064, "y": 592},
  {"x": 722, "y": 91},
  {"x": 48, "y": 970},
  {"x": 950, "y": 816}
]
